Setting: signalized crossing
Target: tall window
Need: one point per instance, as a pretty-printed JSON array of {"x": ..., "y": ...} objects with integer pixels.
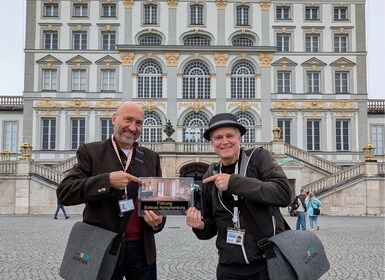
[
  {"x": 108, "y": 40},
  {"x": 285, "y": 126},
  {"x": 342, "y": 135},
  {"x": 78, "y": 82},
  {"x": 196, "y": 15},
  {"x": 50, "y": 40},
  {"x": 49, "y": 134},
  {"x": 152, "y": 128},
  {"x": 197, "y": 41},
  {"x": 194, "y": 125},
  {"x": 283, "y": 42},
  {"x": 284, "y": 81},
  {"x": 51, "y": 9},
  {"x": 80, "y": 10},
  {"x": 49, "y": 81},
  {"x": 312, "y": 43},
  {"x": 341, "y": 82},
  {"x": 108, "y": 10},
  {"x": 312, "y": 13},
  {"x": 108, "y": 80},
  {"x": 378, "y": 138},
  {"x": 340, "y": 43},
  {"x": 340, "y": 13},
  {"x": 79, "y": 40},
  {"x": 10, "y": 136},
  {"x": 242, "y": 15},
  {"x": 313, "y": 82},
  {"x": 248, "y": 121},
  {"x": 78, "y": 129},
  {"x": 313, "y": 135},
  {"x": 196, "y": 81},
  {"x": 243, "y": 80},
  {"x": 150, "y": 14},
  {"x": 282, "y": 13},
  {"x": 150, "y": 80},
  {"x": 106, "y": 129}
]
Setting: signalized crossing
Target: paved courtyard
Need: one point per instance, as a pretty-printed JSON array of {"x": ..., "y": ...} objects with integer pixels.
[{"x": 31, "y": 247}]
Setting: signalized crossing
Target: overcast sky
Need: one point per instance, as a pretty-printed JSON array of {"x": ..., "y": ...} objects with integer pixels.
[{"x": 12, "y": 29}]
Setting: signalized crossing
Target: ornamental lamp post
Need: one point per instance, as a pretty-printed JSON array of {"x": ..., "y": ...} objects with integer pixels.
[
  {"x": 5, "y": 155},
  {"x": 369, "y": 151},
  {"x": 26, "y": 150},
  {"x": 276, "y": 133}
]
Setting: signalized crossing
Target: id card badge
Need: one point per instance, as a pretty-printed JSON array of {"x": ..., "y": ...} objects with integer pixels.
[
  {"x": 126, "y": 205},
  {"x": 235, "y": 236}
]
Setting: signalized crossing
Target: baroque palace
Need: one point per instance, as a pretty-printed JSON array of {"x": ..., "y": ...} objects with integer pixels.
[{"x": 292, "y": 72}]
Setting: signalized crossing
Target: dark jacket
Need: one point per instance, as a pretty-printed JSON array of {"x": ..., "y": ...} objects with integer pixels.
[
  {"x": 88, "y": 182},
  {"x": 263, "y": 187}
]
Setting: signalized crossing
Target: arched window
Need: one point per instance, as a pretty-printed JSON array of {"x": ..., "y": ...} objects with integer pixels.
[
  {"x": 243, "y": 80},
  {"x": 150, "y": 40},
  {"x": 196, "y": 81},
  {"x": 150, "y": 80},
  {"x": 242, "y": 41},
  {"x": 248, "y": 121},
  {"x": 152, "y": 128},
  {"x": 197, "y": 41},
  {"x": 194, "y": 126}
]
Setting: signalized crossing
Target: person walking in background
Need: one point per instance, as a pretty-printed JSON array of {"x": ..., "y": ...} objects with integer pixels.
[
  {"x": 60, "y": 206},
  {"x": 301, "y": 210},
  {"x": 313, "y": 203}
]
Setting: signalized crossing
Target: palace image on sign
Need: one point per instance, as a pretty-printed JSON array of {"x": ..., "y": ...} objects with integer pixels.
[{"x": 166, "y": 196}]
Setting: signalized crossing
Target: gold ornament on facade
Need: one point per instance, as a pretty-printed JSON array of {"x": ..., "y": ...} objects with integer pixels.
[
  {"x": 108, "y": 27},
  {"x": 343, "y": 114},
  {"x": 107, "y": 104},
  {"x": 315, "y": 104},
  {"x": 78, "y": 103},
  {"x": 196, "y": 55},
  {"x": 312, "y": 30},
  {"x": 127, "y": 58},
  {"x": 342, "y": 30},
  {"x": 243, "y": 106},
  {"x": 171, "y": 59},
  {"x": 265, "y": 5},
  {"x": 48, "y": 103},
  {"x": 149, "y": 55},
  {"x": 134, "y": 75},
  {"x": 221, "y": 4},
  {"x": 50, "y": 26},
  {"x": 106, "y": 113},
  {"x": 196, "y": 106},
  {"x": 221, "y": 59},
  {"x": 128, "y": 4},
  {"x": 265, "y": 59},
  {"x": 344, "y": 105},
  {"x": 284, "y": 29},
  {"x": 283, "y": 105},
  {"x": 150, "y": 105},
  {"x": 79, "y": 27},
  {"x": 172, "y": 3}
]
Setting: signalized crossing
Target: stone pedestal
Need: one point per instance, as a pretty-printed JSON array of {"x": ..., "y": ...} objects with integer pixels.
[{"x": 22, "y": 189}]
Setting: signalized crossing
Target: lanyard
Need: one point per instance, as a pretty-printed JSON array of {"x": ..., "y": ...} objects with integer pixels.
[{"x": 129, "y": 156}]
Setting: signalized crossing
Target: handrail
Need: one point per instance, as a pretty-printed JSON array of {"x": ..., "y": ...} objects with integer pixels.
[
  {"x": 11, "y": 101},
  {"x": 8, "y": 167},
  {"x": 65, "y": 164},
  {"x": 48, "y": 173}
]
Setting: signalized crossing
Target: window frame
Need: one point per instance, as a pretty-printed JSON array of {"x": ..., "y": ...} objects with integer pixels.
[
  {"x": 339, "y": 48},
  {"x": 10, "y": 142},
  {"x": 44, "y": 10},
  {"x": 374, "y": 138},
  {"x": 314, "y": 142},
  {"x": 280, "y": 16},
  {"x": 285, "y": 35},
  {"x": 285, "y": 125},
  {"x": 340, "y": 84},
  {"x": 342, "y": 143},
  {"x": 50, "y": 89},
  {"x": 192, "y": 19},
  {"x": 245, "y": 14},
  {"x": 78, "y": 140},
  {"x": 109, "y": 45},
  {"x": 310, "y": 16},
  {"x": 151, "y": 19},
  {"x": 109, "y": 5},
  {"x": 313, "y": 45},
  {"x": 284, "y": 79},
  {"x": 84, "y": 9},
  {"x": 83, "y": 42},
  {"x": 72, "y": 81},
  {"x": 52, "y": 133},
  {"x": 52, "y": 45},
  {"x": 339, "y": 17}
]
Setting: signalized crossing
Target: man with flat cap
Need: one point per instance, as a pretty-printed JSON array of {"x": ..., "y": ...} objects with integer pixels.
[{"x": 241, "y": 196}]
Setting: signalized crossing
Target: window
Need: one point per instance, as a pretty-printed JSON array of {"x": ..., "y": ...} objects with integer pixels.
[
  {"x": 78, "y": 129},
  {"x": 283, "y": 42},
  {"x": 248, "y": 121},
  {"x": 150, "y": 41},
  {"x": 242, "y": 42},
  {"x": 378, "y": 137},
  {"x": 107, "y": 129},
  {"x": 150, "y": 80},
  {"x": 342, "y": 135},
  {"x": 150, "y": 14},
  {"x": 312, "y": 13},
  {"x": 284, "y": 81},
  {"x": 108, "y": 40},
  {"x": 79, "y": 40},
  {"x": 49, "y": 82},
  {"x": 340, "y": 13},
  {"x": 78, "y": 80},
  {"x": 341, "y": 43},
  {"x": 242, "y": 16},
  {"x": 50, "y": 40},
  {"x": 152, "y": 128},
  {"x": 312, "y": 43},
  {"x": 313, "y": 135},
  {"x": 49, "y": 134},
  {"x": 80, "y": 10},
  {"x": 196, "y": 15},
  {"x": 282, "y": 13},
  {"x": 10, "y": 136},
  {"x": 194, "y": 125},
  {"x": 108, "y": 80},
  {"x": 197, "y": 41},
  {"x": 108, "y": 10},
  {"x": 196, "y": 81},
  {"x": 285, "y": 126},
  {"x": 243, "y": 80},
  {"x": 313, "y": 82},
  {"x": 51, "y": 9},
  {"x": 341, "y": 82}
]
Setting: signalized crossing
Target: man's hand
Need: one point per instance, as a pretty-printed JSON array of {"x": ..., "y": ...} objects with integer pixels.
[
  {"x": 194, "y": 218},
  {"x": 152, "y": 219},
  {"x": 221, "y": 181},
  {"x": 119, "y": 179}
]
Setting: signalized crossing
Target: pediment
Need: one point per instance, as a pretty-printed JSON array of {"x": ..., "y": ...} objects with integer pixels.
[
  {"x": 314, "y": 62},
  {"x": 284, "y": 61},
  {"x": 342, "y": 62},
  {"x": 79, "y": 60},
  {"x": 108, "y": 60},
  {"x": 49, "y": 59}
]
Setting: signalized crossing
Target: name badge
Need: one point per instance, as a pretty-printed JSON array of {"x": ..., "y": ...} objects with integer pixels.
[
  {"x": 235, "y": 236},
  {"x": 126, "y": 205}
]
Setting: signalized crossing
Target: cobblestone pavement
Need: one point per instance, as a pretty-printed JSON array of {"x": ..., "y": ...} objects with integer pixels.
[{"x": 31, "y": 247}]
